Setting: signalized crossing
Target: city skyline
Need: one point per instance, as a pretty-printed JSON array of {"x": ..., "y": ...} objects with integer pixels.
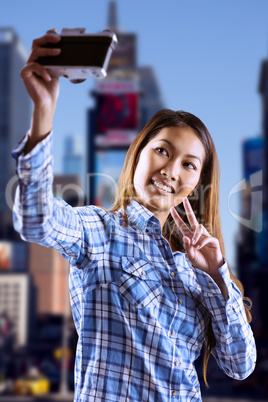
[{"x": 206, "y": 57}]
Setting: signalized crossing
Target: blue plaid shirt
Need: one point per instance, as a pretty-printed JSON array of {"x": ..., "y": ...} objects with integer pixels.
[{"x": 141, "y": 311}]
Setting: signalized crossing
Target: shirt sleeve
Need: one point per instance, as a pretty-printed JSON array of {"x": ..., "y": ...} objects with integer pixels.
[
  {"x": 40, "y": 217},
  {"x": 235, "y": 350}
]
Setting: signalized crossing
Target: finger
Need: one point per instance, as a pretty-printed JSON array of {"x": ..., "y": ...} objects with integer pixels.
[
  {"x": 186, "y": 241},
  {"x": 189, "y": 249},
  {"x": 36, "y": 69},
  {"x": 190, "y": 213},
  {"x": 205, "y": 231},
  {"x": 53, "y": 30},
  {"x": 199, "y": 230},
  {"x": 206, "y": 241},
  {"x": 180, "y": 223},
  {"x": 43, "y": 52},
  {"x": 51, "y": 37}
]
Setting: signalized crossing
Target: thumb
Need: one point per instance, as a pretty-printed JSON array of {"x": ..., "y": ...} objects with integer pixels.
[{"x": 54, "y": 30}]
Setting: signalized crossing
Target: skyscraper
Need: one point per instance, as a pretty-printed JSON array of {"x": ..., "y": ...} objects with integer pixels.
[
  {"x": 14, "y": 116},
  {"x": 124, "y": 101},
  {"x": 263, "y": 90},
  {"x": 253, "y": 240}
]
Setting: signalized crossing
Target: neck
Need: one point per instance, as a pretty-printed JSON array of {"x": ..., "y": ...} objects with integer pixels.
[{"x": 162, "y": 217}]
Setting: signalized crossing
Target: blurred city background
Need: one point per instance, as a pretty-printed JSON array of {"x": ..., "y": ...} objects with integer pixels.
[{"x": 208, "y": 58}]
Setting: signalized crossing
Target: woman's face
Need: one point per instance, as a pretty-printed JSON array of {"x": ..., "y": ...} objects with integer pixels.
[{"x": 168, "y": 169}]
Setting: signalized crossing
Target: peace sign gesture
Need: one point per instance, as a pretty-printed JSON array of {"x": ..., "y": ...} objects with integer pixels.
[{"x": 202, "y": 249}]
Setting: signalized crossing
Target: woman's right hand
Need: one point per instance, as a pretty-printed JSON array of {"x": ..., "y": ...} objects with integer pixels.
[{"x": 42, "y": 88}]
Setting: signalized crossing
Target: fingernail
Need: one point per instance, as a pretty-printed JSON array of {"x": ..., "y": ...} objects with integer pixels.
[{"x": 47, "y": 76}]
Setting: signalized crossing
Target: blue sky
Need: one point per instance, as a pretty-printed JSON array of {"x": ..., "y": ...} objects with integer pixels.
[{"x": 206, "y": 55}]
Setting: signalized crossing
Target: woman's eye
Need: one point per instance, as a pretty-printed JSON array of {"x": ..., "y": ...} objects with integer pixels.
[
  {"x": 162, "y": 151},
  {"x": 190, "y": 165}
]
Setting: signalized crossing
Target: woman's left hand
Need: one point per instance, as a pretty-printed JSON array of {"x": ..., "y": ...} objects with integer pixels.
[{"x": 202, "y": 249}]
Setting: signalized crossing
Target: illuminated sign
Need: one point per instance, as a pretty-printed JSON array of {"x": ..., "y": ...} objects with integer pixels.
[
  {"x": 5, "y": 255},
  {"x": 115, "y": 87},
  {"x": 13, "y": 256},
  {"x": 116, "y": 112}
]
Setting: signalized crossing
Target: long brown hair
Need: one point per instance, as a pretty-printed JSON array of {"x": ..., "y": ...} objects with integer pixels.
[{"x": 204, "y": 200}]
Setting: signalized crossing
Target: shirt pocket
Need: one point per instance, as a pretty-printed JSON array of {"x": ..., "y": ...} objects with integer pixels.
[{"x": 140, "y": 283}]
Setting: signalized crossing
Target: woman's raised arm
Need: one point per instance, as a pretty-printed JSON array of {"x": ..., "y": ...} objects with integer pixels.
[{"x": 42, "y": 88}]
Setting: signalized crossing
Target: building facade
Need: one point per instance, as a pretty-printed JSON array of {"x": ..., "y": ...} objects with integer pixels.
[
  {"x": 252, "y": 259},
  {"x": 14, "y": 305},
  {"x": 48, "y": 269},
  {"x": 15, "y": 110},
  {"x": 124, "y": 102},
  {"x": 263, "y": 90}
]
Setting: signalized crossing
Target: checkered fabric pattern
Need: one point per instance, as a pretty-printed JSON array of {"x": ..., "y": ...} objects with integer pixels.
[{"x": 140, "y": 310}]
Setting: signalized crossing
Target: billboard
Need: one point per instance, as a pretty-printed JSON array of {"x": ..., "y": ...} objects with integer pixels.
[
  {"x": 115, "y": 124},
  {"x": 117, "y": 112}
]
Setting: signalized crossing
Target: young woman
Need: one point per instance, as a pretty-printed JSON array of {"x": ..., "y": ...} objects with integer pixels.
[{"x": 149, "y": 285}]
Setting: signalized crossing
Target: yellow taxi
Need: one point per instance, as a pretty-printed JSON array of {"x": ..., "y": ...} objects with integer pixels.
[{"x": 33, "y": 383}]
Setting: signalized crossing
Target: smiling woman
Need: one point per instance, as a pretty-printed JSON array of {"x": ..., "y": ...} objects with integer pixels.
[
  {"x": 174, "y": 157},
  {"x": 166, "y": 172},
  {"x": 148, "y": 288}
]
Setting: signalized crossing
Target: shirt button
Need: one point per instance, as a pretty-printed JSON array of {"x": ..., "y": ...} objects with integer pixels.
[
  {"x": 180, "y": 301},
  {"x": 27, "y": 166},
  {"x": 172, "y": 274},
  {"x": 174, "y": 393},
  {"x": 172, "y": 332},
  {"x": 177, "y": 363},
  {"x": 210, "y": 282},
  {"x": 143, "y": 273}
]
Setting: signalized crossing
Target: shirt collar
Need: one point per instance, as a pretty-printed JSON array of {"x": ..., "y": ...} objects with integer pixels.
[{"x": 142, "y": 218}]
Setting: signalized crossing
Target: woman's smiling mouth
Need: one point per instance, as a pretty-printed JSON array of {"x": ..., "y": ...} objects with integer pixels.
[{"x": 162, "y": 186}]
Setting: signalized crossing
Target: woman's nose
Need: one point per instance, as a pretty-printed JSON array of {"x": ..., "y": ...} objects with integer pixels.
[{"x": 170, "y": 172}]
